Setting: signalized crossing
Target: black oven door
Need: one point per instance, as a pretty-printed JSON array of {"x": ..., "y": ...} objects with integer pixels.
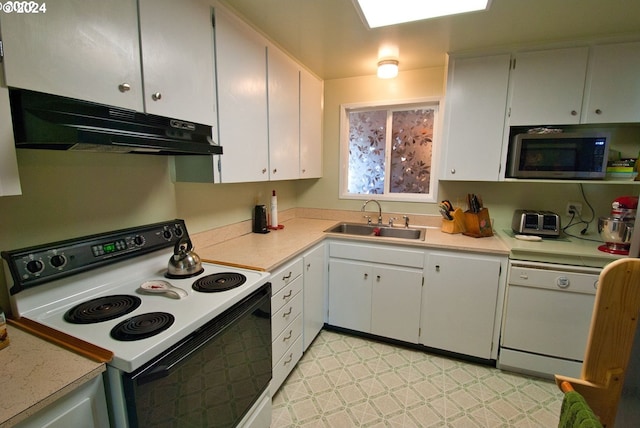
[{"x": 210, "y": 379}]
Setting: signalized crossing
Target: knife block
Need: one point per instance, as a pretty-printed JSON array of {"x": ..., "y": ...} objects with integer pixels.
[
  {"x": 478, "y": 224},
  {"x": 456, "y": 225}
]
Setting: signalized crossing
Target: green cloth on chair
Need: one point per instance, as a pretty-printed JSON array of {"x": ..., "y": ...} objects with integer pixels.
[{"x": 576, "y": 413}]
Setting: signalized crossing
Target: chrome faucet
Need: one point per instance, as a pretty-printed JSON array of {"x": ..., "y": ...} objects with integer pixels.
[{"x": 379, "y": 209}]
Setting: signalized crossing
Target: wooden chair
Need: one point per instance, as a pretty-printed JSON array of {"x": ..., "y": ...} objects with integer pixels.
[{"x": 613, "y": 326}]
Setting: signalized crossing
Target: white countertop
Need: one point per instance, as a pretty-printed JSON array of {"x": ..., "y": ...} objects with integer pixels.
[
  {"x": 268, "y": 251},
  {"x": 565, "y": 250},
  {"x": 35, "y": 373}
]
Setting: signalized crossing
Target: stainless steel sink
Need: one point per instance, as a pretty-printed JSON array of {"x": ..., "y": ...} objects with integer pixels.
[{"x": 374, "y": 230}]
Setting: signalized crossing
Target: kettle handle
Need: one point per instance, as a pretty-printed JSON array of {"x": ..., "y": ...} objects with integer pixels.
[{"x": 184, "y": 245}]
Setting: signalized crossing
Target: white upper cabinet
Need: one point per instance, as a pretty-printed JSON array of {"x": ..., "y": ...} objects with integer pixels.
[
  {"x": 613, "y": 84},
  {"x": 284, "y": 121},
  {"x": 547, "y": 87},
  {"x": 85, "y": 49},
  {"x": 9, "y": 177},
  {"x": 269, "y": 112},
  {"x": 311, "y": 109},
  {"x": 177, "y": 59},
  {"x": 241, "y": 64},
  {"x": 475, "y": 108},
  {"x": 103, "y": 52}
]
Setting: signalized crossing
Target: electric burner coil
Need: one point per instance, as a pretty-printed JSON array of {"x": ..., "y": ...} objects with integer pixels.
[
  {"x": 142, "y": 326},
  {"x": 216, "y": 282},
  {"x": 102, "y": 309}
]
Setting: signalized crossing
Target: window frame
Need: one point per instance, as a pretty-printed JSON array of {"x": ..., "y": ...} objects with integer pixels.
[{"x": 392, "y": 105}]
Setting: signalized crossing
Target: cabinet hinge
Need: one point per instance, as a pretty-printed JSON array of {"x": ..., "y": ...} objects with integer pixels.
[
  {"x": 213, "y": 20},
  {"x": 419, "y": 331},
  {"x": 423, "y": 281},
  {"x": 1, "y": 51},
  {"x": 513, "y": 64}
]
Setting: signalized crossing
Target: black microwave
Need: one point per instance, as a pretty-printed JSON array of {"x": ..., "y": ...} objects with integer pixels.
[{"x": 559, "y": 156}]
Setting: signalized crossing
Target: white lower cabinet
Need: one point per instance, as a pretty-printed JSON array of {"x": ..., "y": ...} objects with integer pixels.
[
  {"x": 395, "y": 303},
  {"x": 86, "y": 406},
  {"x": 350, "y": 294},
  {"x": 461, "y": 301},
  {"x": 314, "y": 290},
  {"x": 286, "y": 320},
  {"x": 375, "y": 289},
  {"x": 446, "y": 300}
]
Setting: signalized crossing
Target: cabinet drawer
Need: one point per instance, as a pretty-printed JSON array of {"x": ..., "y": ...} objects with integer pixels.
[
  {"x": 285, "y": 295},
  {"x": 283, "y": 367},
  {"x": 288, "y": 336},
  {"x": 286, "y": 314},
  {"x": 377, "y": 254},
  {"x": 285, "y": 275}
]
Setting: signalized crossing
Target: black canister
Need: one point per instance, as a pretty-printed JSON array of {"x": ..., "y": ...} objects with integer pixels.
[{"x": 260, "y": 219}]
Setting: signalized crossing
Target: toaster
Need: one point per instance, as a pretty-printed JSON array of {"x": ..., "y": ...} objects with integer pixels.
[{"x": 541, "y": 223}]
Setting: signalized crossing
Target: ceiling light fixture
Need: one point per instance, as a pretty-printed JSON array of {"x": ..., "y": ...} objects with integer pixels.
[
  {"x": 378, "y": 13},
  {"x": 388, "y": 68}
]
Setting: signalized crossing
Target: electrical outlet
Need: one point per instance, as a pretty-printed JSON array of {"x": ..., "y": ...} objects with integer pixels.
[{"x": 574, "y": 206}]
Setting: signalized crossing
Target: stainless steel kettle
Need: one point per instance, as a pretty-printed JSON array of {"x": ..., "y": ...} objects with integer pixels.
[{"x": 184, "y": 263}]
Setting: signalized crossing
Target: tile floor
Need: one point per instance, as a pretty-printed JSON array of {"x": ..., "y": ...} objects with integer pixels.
[{"x": 346, "y": 381}]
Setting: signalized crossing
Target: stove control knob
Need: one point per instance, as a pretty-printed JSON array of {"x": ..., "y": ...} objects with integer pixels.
[
  {"x": 35, "y": 266},
  {"x": 178, "y": 231},
  {"x": 58, "y": 261},
  {"x": 139, "y": 240}
]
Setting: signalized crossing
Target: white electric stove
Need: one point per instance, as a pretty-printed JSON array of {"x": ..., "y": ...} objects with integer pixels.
[{"x": 99, "y": 289}]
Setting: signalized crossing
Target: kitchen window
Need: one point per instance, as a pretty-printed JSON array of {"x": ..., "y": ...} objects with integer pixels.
[{"x": 388, "y": 151}]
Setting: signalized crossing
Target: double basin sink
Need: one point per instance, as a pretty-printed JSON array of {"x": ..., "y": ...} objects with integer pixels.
[{"x": 358, "y": 229}]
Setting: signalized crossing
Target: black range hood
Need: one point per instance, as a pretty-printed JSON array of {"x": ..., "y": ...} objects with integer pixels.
[{"x": 44, "y": 121}]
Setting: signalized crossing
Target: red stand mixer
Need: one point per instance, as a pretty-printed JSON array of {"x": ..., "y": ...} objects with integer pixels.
[{"x": 616, "y": 230}]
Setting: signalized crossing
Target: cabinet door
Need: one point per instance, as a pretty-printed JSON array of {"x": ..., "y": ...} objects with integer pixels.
[
  {"x": 284, "y": 116},
  {"x": 310, "y": 125},
  {"x": 177, "y": 59},
  {"x": 350, "y": 295},
  {"x": 314, "y": 293},
  {"x": 83, "y": 49},
  {"x": 459, "y": 303},
  {"x": 241, "y": 66},
  {"x": 9, "y": 178},
  {"x": 474, "y": 117},
  {"x": 548, "y": 86},
  {"x": 395, "y": 305},
  {"x": 613, "y": 86}
]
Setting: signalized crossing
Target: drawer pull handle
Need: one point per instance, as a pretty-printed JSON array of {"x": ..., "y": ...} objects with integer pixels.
[
  {"x": 378, "y": 278},
  {"x": 366, "y": 275},
  {"x": 286, "y": 277},
  {"x": 286, "y": 314},
  {"x": 286, "y": 296},
  {"x": 284, "y": 339},
  {"x": 289, "y": 359}
]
